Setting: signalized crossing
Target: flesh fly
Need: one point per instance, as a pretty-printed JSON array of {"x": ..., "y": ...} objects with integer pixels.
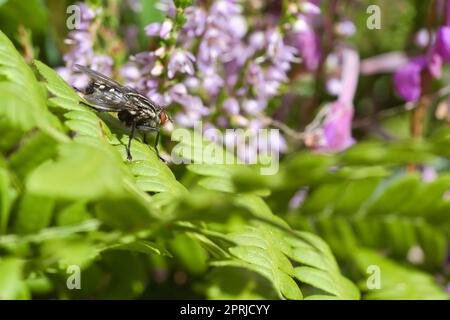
[{"x": 133, "y": 109}]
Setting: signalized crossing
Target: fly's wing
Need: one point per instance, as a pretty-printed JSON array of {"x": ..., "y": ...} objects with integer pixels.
[
  {"x": 105, "y": 93},
  {"x": 97, "y": 76}
]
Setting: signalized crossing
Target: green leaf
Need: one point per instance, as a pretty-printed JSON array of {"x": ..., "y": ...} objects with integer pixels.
[
  {"x": 260, "y": 250},
  {"x": 73, "y": 214},
  {"x": 23, "y": 97},
  {"x": 124, "y": 214},
  {"x": 16, "y": 107},
  {"x": 7, "y": 197},
  {"x": 397, "y": 281},
  {"x": 189, "y": 253},
  {"x": 237, "y": 284},
  {"x": 395, "y": 196},
  {"x": 150, "y": 172},
  {"x": 55, "y": 83},
  {"x": 122, "y": 285},
  {"x": 33, "y": 152},
  {"x": 142, "y": 246},
  {"x": 81, "y": 172},
  {"x": 217, "y": 184},
  {"x": 31, "y": 14},
  {"x": 193, "y": 147},
  {"x": 35, "y": 213},
  {"x": 50, "y": 233},
  {"x": 74, "y": 250},
  {"x": 332, "y": 283},
  {"x": 11, "y": 285}
]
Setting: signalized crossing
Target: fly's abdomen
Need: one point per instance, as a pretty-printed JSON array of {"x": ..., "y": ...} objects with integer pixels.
[{"x": 126, "y": 117}]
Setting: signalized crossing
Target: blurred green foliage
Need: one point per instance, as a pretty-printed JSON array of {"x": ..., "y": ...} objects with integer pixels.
[{"x": 143, "y": 230}]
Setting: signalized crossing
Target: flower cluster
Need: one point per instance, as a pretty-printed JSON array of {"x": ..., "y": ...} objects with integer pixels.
[
  {"x": 216, "y": 63},
  {"x": 82, "y": 52},
  {"x": 220, "y": 66},
  {"x": 408, "y": 79},
  {"x": 304, "y": 36}
]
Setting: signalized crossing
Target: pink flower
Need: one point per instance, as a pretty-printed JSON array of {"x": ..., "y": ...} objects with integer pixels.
[
  {"x": 337, "y": 128},
  {"x": 158, "y": 29},
  {"x": 407, "y": 79},
  {"x": 331, "y": 131},
  {"x": 443, "y": 38},
  {"x": 181, "y": 61},
  {"x": 443, "y": 42}
]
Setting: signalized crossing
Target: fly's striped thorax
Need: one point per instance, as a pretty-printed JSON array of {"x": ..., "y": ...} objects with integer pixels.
[{"x": 142, "y": 102}]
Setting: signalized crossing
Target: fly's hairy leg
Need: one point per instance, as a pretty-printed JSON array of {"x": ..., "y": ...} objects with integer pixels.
[
  {"x": 144, "y": 137},
  {"x": 155, "y": 145},
  {"x": 133, "y": 129}
]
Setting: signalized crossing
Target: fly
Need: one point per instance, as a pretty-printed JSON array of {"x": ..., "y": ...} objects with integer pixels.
[{"x": 133, "y": 109}]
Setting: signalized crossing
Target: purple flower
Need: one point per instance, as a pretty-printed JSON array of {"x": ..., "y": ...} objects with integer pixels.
[
  {"x": 86, "y": 15},
  {"x": 167, "y": 7},
  {"x": 225, "y": 8},
  {"x": 231, "y": 105},
  {"x": 252, "y": 106},
  {"x": 331, "y": 131},
  {"x": 280, "y": 53},
  {"x": 192, "y": 82},
  {"x": 195, "y": 21},
  {"x": 443, "y": 42},
  {"x": 135, "y": 5},
  {"x": 257, "y": 40},
  {"x": 178, "y": 93},
  {"x": 102, "y": 63},
  {"x": 255, "y": 73},
  {"x": 145, "y": 61},
  {"x": 181, "y": 61},
  {"x": 81, "y": 51},
  {"x": 309, "y": 7},
  {"x": 166, "y": 27},
  {"x": 158, "y": 29},
  {"x": 337, "y": 128},
  {"x": 212, "y": 83},
  {"x": 429, "y": 174},
  {"x": 186, "y": 120},
  {"x": 308, "y": 46},
  {"x": 153, "y": 29},
  {"x": 130, "y": 72},
  {"x": 443, "y": 37},
  {"x": 435, "y": 65},
  {"x": 345, "y": 28},
  {"x": 212, "y": 47},
  {"x": 407, "y": 79},
  {"x": 298, "y": 198},
  {"x": 194, "y": 110}
]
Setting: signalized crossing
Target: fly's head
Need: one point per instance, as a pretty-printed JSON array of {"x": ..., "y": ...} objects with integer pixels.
[{"x": 163, "y": 117}]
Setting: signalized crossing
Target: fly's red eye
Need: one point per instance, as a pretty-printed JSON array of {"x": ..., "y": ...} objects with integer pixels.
[{"x": 163, "y": 117}]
